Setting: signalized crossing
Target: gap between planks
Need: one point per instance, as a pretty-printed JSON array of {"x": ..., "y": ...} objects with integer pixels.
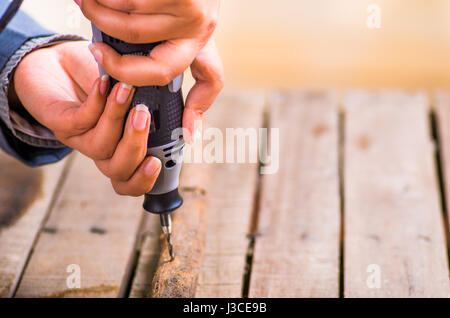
[{"x": 440, "y": 120}]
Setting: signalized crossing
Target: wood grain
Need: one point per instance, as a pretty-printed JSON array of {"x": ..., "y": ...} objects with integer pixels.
[
  {"x": 229, "y": 190},
  {"x": 178, "y": 278},
  {"x": 25, "y": 194},
  {"x": 89, "y": 226},
  {"x": 394, "y": 233},
  {"x": 296, "y": 251}
]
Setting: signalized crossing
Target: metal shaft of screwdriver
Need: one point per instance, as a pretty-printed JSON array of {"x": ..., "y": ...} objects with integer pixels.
[{"x": 166, "y": 224}]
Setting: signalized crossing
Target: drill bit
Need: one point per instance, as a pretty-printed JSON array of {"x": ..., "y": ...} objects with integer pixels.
[
  {"x": 170, "y": 247},
  {"x": 166, "y": 224}
]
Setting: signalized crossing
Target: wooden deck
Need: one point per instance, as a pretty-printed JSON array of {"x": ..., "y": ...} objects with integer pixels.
[{"x": 358, "y": 208}]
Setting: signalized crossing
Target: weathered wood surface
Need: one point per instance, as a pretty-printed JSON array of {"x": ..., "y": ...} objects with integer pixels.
[
  {"x": 297, "y": 241},
  {"x": 394, "y": 235},
  {"x": 149, "y": 249},
  {"x": 393, "y": 220},
  {"x": 91, "y": 227},
  {"x": 178, "y": 278},
  {"x": 25, "y": 195},
  {"x": 229, "y": 189}
]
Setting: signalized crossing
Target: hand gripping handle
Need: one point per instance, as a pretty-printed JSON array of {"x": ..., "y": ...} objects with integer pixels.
[
  {"x": 164, "y": 102},
  {"x": 165, "y": 142}
]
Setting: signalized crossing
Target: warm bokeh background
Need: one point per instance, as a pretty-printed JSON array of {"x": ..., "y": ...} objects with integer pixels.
[{"x": 320, "y": 43}]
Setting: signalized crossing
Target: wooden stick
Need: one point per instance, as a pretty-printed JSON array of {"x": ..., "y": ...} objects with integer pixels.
[{"x": 178, "y": 279}]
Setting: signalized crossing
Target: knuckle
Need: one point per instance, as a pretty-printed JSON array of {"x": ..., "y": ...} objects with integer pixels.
[
  {"x": 146, "y": 188},
  {"x": 102, "y": 153},
  {"x": 211, "y": 24},
  {"x": 190, "y": 4},
  {"x": 120, "y": 175},
  {"x": 200, "y": 16},
  {"x": 195, "y": 12},
  {"x": 118, "y": 189},
  {"x": 130, "y": 33},
  {"x": 130, "y": 5},
  {"x": 219, "y": 82},
  {"x": 80, "y": 127},
  {"x": 123, "y": 5},
  {"x": 114, "y": 116},
  {"x": 127, "y": 190},
  {"x": 89, "y": 11},
  {"x": 165, "y": 76},
  {"x": 136, "y": 142},
  {"x": 204, "y": 20}
]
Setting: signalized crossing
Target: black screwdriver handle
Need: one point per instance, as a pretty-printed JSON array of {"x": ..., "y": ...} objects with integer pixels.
[{"x": 165, "y": 103}]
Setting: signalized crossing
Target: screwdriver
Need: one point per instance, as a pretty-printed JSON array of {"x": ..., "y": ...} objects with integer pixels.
[{"x": 165, "y": 140}]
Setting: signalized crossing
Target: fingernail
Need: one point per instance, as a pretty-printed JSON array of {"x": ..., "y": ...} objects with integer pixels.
[
  {"x": 98, "y": 56},
  {"x": 123, "y": 93},
  {"x": 78, "y": 2},
  {"x": 104, "y": 84},
  {"x": 152, "y": 166},
  {"x": 140, "y": 118}
]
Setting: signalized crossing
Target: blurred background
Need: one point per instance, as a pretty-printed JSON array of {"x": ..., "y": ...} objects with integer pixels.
[{"x": 315, "y": 44}]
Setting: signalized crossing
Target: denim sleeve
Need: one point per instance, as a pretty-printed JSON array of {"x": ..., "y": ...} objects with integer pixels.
[{"x": 20, "y": 135}]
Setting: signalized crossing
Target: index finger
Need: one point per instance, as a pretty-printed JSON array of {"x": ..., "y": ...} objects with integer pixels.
[
  {"x": 129, "y": 27},
  {"x": 165, "y": 62}
]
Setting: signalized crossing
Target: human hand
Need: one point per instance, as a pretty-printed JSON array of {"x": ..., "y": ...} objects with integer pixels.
[
  {"x": 185, "y": 26},
  {"x": 60, "y": 88}
]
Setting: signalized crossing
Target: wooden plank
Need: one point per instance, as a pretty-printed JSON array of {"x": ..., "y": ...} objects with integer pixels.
[
  {"x": 178, "y": 278},
  {"x": 149, "y": 249},
  {"x": 25, "y": 195},
  {"x": 441, "y": 108},
  {"x": 229, "y": 189},
  {"x": 394, "y": 234},
  {"x": 296, "y": 250},
  {"x": 91, "y": 228}
]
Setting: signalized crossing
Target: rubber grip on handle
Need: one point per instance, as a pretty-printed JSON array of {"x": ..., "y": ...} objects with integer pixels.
[{"x": 166, "y": 107}]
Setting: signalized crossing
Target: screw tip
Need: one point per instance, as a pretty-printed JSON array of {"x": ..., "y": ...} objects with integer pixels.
[{"x": 170, "y": 247}]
